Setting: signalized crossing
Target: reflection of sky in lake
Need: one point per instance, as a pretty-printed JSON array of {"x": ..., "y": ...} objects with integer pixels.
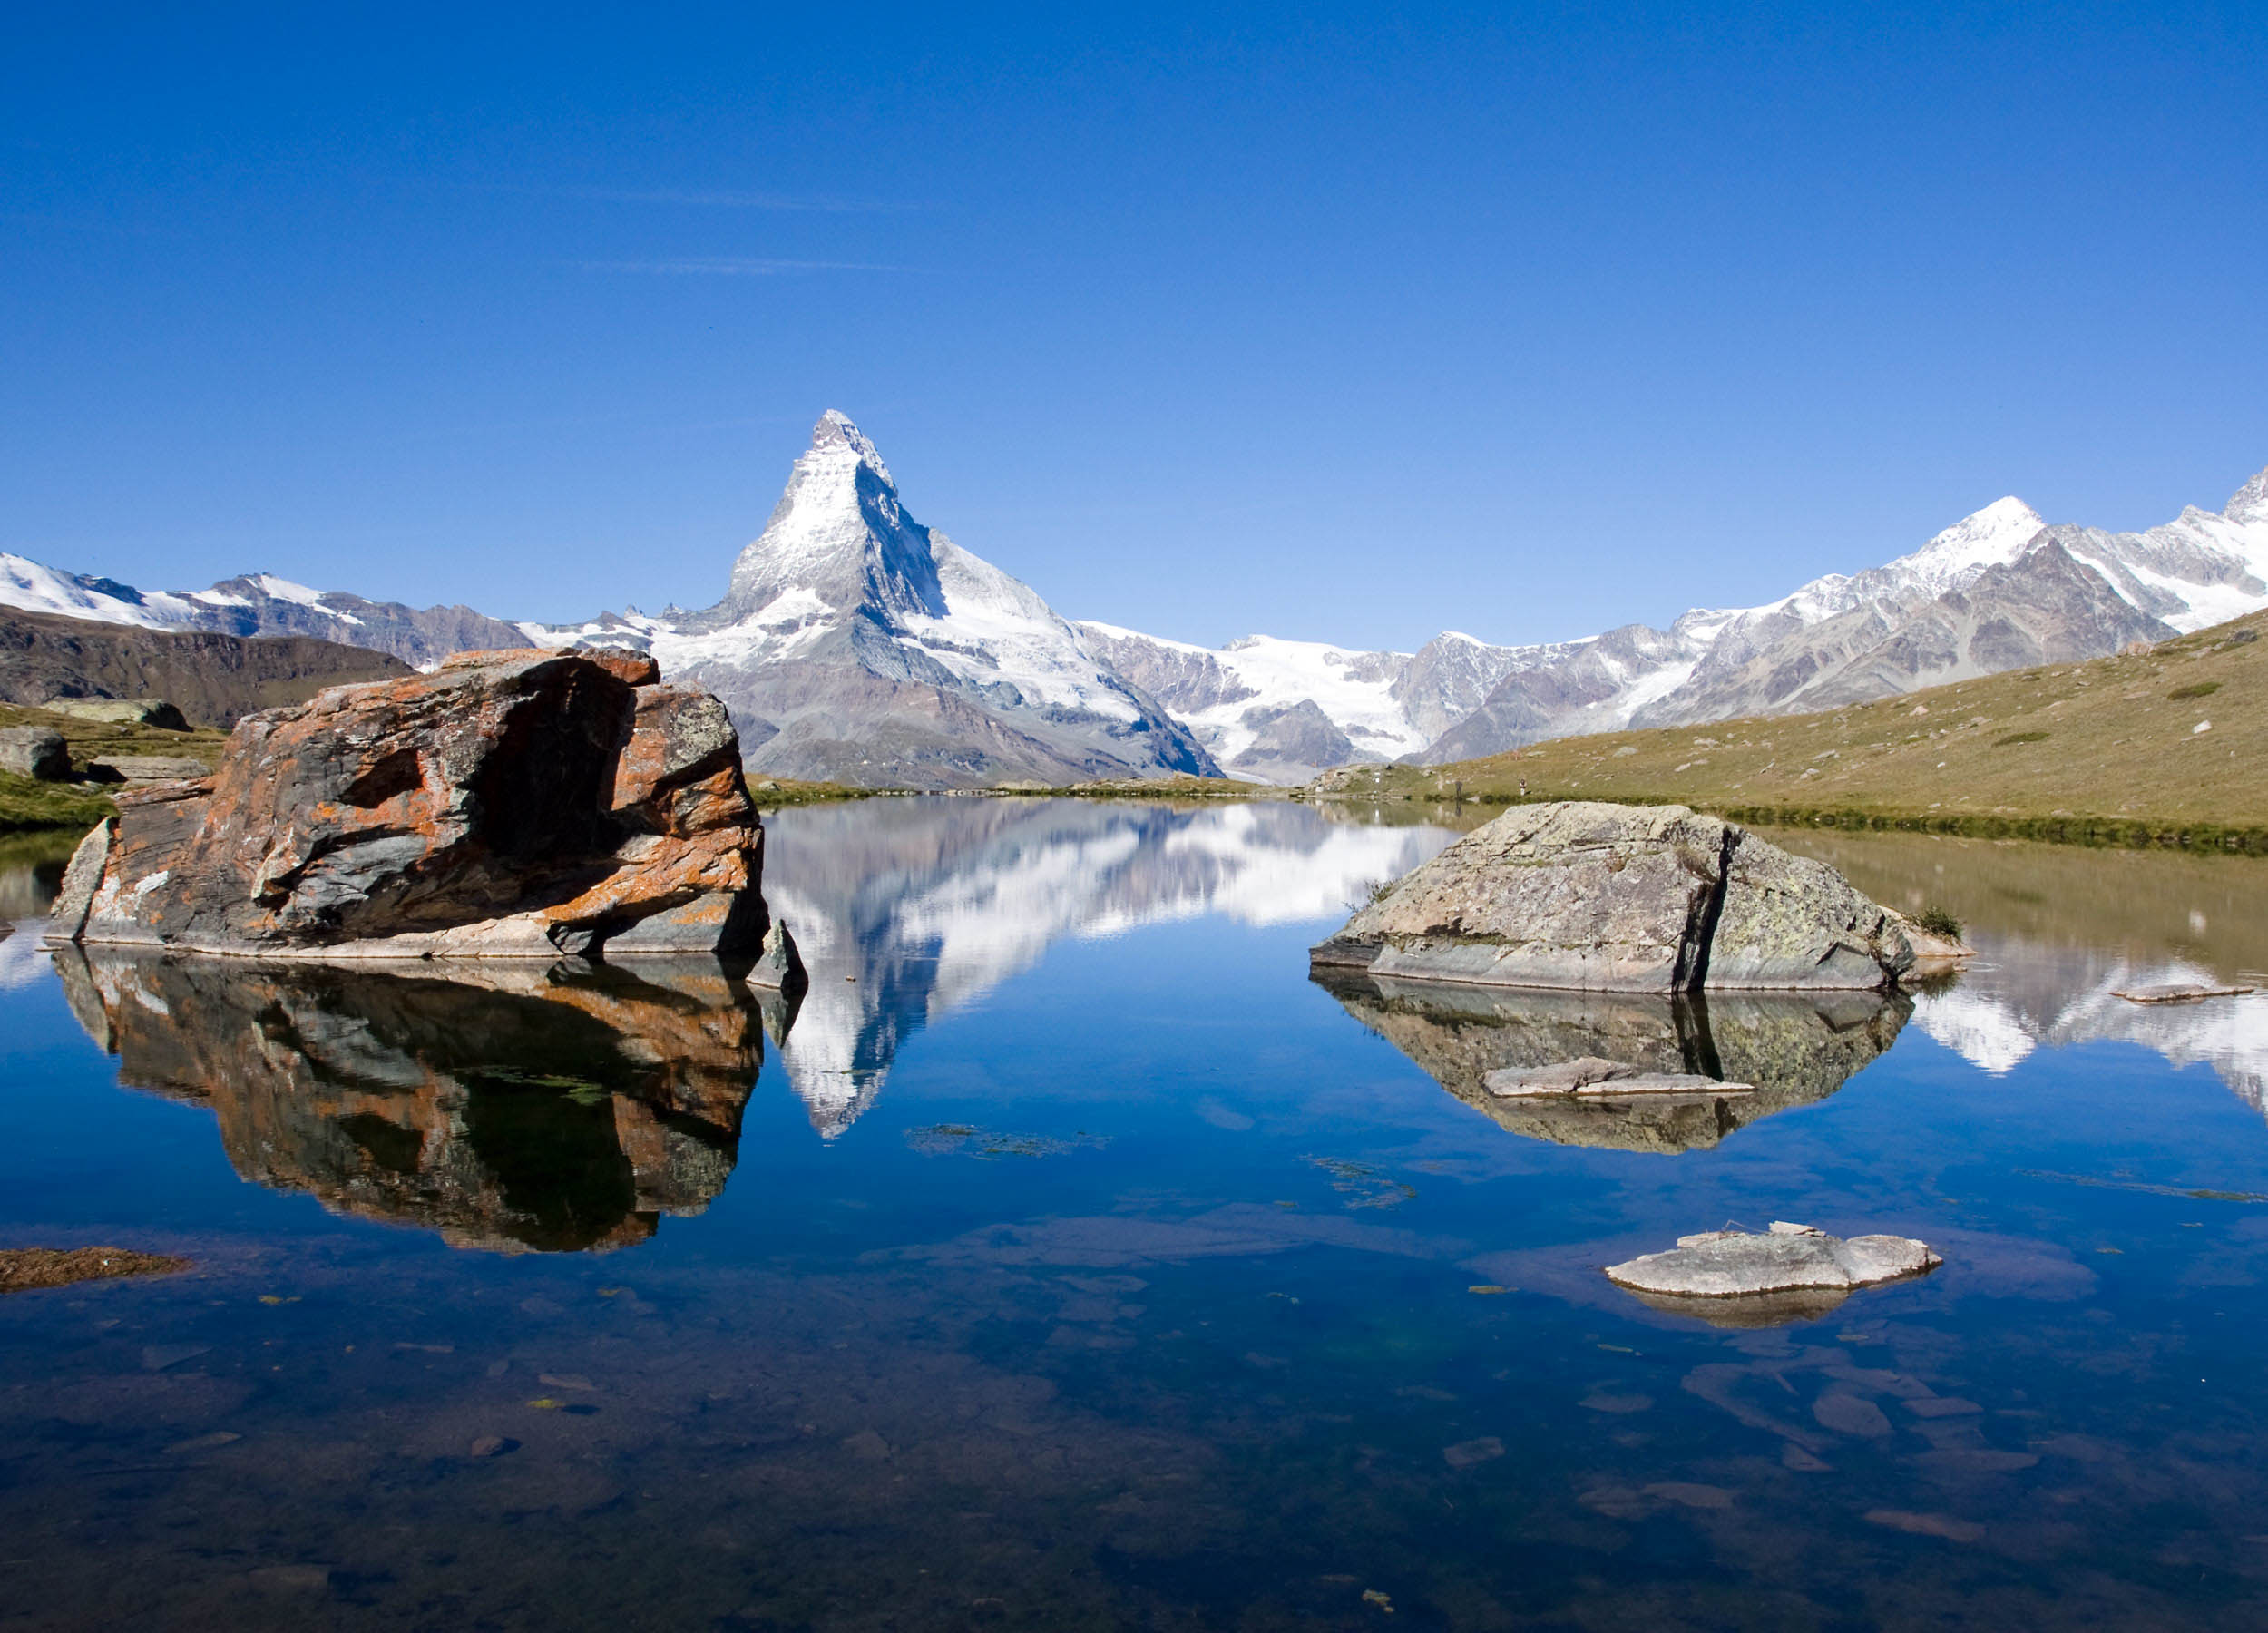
[
  {"x": 908, "y": 910},
  {"x": 1136, "y": 1288}
]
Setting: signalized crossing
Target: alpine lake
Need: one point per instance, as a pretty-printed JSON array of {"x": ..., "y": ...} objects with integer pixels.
[{"x": 1070, "y": 1258}]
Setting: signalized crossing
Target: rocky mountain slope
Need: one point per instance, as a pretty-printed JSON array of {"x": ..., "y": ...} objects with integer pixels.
[
  {"x": 213, "y": 680},
  {"x": 1279, "y": 711},
  {"x": 855, "y": 644}
]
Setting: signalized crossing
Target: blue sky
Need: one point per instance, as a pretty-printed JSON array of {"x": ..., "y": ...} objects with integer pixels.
[{"x": 1338, "y": 324}]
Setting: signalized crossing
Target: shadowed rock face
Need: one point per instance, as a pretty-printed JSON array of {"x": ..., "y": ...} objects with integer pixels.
[
  {"x": 1618, "y": 898},
  {"x": 524, "y": 804},
  {"x": 1793, "y": 1050},
  {"x": 506, "y": 1106}
]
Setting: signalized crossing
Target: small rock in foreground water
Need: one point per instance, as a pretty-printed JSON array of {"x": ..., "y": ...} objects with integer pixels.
[{"x": 1733, "y": 1263}]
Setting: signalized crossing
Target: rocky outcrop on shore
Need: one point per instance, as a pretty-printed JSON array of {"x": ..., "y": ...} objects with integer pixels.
[
  {"x": 1618, "y": 898},
  {"x": 511, "y": 804}
]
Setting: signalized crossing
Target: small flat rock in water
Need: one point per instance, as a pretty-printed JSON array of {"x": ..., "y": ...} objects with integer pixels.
[
  {"x": 1735, "y": 1264},
  {"x": 1593, "y": 1076},
  {"x": 2177, "y": 992}
]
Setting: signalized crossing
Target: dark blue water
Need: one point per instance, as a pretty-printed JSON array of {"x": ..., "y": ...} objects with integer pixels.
[{"x": 1078, "y": 1262}]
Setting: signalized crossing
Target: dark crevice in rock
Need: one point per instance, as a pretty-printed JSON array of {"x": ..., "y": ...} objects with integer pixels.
[{"x": 1692, "y": 953}]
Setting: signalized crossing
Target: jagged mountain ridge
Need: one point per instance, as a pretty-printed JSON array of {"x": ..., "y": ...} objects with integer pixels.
[{"x": 1999, "y": 590}]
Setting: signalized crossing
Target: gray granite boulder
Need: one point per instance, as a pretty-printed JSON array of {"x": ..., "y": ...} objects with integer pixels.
[
  {"x": 35, "y": 751},
  {"x": 778, "y": 963},
  {"x": 1624, "y": 899},
  {"x": 121, "y": 711}
]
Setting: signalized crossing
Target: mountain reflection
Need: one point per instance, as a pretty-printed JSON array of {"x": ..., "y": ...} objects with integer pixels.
[
  {"x": 2061, "y": 930},
  {"x": 1793, "y": 1050},
  {"x": 926, "y": 904},
  {"x": 511, "y": 1108}
]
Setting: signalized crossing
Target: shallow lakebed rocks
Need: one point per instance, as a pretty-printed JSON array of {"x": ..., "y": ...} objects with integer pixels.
[
  {"x": 1618, "y": 898},
  {"x": 515, "y": 804}
]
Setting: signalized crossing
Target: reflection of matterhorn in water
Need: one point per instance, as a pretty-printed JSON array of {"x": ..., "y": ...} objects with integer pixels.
[
  {"x": 926, "y": 904},
  {"x": 2024, "y": 995}
]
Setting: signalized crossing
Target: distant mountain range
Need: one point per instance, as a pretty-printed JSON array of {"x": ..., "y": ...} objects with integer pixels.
[
  {"x": 853, "y": 644},
  {"x": 2001, "y": 590}
]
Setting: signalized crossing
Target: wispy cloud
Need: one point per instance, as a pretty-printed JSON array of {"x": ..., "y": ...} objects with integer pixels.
[
  {"x": 725, "y": 266},
  {"x": 719, "y": 197}
]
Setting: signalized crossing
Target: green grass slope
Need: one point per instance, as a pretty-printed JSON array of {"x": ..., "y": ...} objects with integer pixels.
[{"x": 2166, "y": 744}]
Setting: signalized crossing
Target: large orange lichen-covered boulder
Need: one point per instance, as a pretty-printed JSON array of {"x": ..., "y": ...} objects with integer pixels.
[{"x": 508, "y": 804}]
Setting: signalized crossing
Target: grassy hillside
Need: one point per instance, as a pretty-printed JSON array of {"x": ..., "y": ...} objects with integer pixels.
[
  {"x": 2168, "y": 744},
  {"x": 25, "y": 804},
  {"x": 213, "y": 680}
]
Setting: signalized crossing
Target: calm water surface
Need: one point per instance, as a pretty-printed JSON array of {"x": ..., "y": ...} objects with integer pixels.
[{"x": 1071, "y": 1259}]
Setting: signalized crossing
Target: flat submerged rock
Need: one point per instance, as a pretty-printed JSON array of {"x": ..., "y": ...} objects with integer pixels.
[
  {"x": 1786, "y": 1258},
  {"x": 2177, "y": 992}
]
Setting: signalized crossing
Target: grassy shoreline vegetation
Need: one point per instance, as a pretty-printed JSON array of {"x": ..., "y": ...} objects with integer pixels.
[
  {"x": 2167, "y": 746},
  {"x": 26, "y": 805}
]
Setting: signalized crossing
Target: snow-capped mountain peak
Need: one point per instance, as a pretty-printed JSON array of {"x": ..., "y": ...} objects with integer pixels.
[
  {"x": 836, "y": 430},
  {"x": 854, "y": 644},
  {"x": 839, "y": 534},
  {"x": 1991, "y": 537}
]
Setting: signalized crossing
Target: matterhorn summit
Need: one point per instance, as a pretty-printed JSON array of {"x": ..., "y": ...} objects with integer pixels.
[{"x": 854, "y": 644}]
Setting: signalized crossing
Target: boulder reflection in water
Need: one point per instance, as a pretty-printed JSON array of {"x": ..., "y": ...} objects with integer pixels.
[
  {"x": 510, "y": 1106},
  {"x": 1793, "y": 1050}
]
